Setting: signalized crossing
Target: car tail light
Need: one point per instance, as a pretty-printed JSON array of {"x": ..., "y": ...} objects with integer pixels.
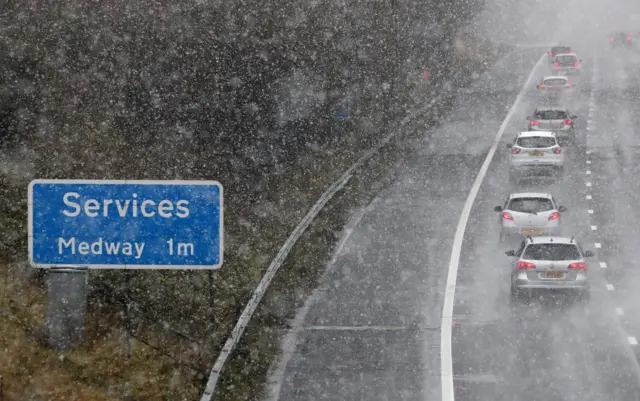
[
  {"x": 612, "y": 39},
  {"x": 515, "y": 151},
  {"x": 578, "y": 266},
  {"x": 534, "y": 123},
  {"x": 551, "y": 53},
  {"x": 557, "y": 151},
  {"x": 575, "y": 63},
  {"x": 526, "y": 265},
  {"x": 541, "y": 85},
  {"x": 628, "y": 37},
  {"x": 554, "y": 216},
  {"x": 567, "y": 122},
  {"x": 555, "y": 64},
  {"x": 568, "y": 84},
  {"x": 506, "y": 215}
]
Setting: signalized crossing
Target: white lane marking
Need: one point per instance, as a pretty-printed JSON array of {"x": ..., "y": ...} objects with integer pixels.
[
  {"x": 588, "y": 184},
  {"x": 619, "y": 312},
  {"x": 289, "y": 343},
  {"x": 588, "y": 129},
  {"x": 603, "y": 265},
  {"x": 589, "y": 197},
  {"x": 590, "y": 211},
  {"x": 594, "y": 228},
  {"x": 610, "y": 287},
  {"x": 588, "y": 161},
  {"x": 598, "y": 245},
  {"x": 588, "y": 152},
  {"x": 446, "y": 357},
  {"x": 588, "y": 172},
  {"x": 632, "y": 340}
]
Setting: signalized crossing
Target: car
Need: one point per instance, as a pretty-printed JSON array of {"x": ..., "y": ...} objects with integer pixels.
[
  {"x": 558, "y": 50},
  {"x": 554, "y": 86},
  {"x": 556, "y": 119},
  {"x": 549, "y": 263},
  {"x": 620, "y": 39},
  {"x": 567, "y": 64},
  {"x": 529, "y": 213},
  {"x": 535, "y": 153}
]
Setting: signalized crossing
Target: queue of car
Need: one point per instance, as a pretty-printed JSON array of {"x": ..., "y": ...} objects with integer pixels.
[{"x": 545, "y": 260}]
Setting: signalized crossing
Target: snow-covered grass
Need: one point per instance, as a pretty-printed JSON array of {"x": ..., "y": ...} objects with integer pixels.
[{"x": 100, "y": 368}]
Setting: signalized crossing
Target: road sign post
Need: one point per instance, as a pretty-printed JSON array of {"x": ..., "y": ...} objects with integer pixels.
[
  {"x": 67, "y": 306},
  {"x": 77, "y": 225},
  {"x": 126, "y": 224}
]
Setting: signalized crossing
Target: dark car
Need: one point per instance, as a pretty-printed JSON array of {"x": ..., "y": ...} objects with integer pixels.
[
  {"x": 554, "y": 51},
  {"x": 620, "y": 39}
]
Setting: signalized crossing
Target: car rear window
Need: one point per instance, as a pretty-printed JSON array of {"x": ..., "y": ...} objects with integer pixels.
[
  {"x": 566, "y": 60},
  {"x": 536, "y": 142},
  {"x": 555, "y": 81},
  {"x": 551, "y": 115},
  {"x": 560, "y": 50},
  {"x": 530, "y": 205},
  {"x": 551, "y": 252}
]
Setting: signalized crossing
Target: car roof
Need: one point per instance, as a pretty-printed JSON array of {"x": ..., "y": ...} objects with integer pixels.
[
  {"x": 551, "y": 240},
  {"x": 550, "y": 108},
  {"x": 528, "y": 134},
  {"x": 530, "y": 195},
  {"x": 556, "y": 77},
  {"x": 566, "y": 54},
  {"x": 557, "y": 46}
]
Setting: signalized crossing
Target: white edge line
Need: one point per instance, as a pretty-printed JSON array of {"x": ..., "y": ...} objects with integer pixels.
[
  {"x": 446, "y": 356},
  {"x": 632, "y": 340},
  {"x": 273, "y": 268},
  {"x": 288, "y": 345}
]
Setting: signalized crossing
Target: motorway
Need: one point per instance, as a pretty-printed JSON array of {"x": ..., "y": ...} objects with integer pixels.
[{"x": 372, "y": 330}]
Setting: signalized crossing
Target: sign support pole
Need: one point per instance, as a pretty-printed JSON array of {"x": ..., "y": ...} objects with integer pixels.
[{"x": 67, "y": 306}]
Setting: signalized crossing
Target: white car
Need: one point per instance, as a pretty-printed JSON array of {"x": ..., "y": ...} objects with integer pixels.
[
  {"x": 529, "y": 213},
  {"x": 534, "y": 153},
  {"x": 567, "y": 64},
  {"x": 555, "y": 85}
]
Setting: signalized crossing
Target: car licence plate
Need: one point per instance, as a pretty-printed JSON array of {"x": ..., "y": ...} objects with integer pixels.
[
  {"x": 532, "y": 231},
  {"x": 552, "y": 274},
  {"x": 536, "y": 153}
]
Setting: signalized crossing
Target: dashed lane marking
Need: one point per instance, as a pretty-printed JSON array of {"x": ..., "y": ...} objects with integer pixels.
[
  {"x": 589, "y": 197},
  {"x": 603, "y": 265},
  {"x": 598, "y": 245},
  {"x": 590, "y": 211},
  {"x": 594, "y": 228},
  {"x": 619, "y": 311},
  {"x": 610, "y": 287},
  {"x": 632, "y": 340},
  {"x": 588, "y": 184}
]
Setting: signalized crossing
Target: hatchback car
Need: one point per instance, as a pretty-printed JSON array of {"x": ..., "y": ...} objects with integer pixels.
[
  {"x": 556, "y": 119},
  {"x": 529, "y": 213},
  {"x": 535, "y": 153},
  {"x": 549, "y": 263},
  {"x": 620, "y": 39},
  {"x": 567, "y": 64},
  {"x": 553, "y": 86}
]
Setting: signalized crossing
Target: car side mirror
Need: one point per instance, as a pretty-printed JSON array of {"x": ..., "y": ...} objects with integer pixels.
[
  {"x": 513, "y": 253},
  {"x": 509, "y": 145},
  {"x": 588, "y": 254},
  {"x": 562, "y": 209},
  {"x": 497, "y": 209}
]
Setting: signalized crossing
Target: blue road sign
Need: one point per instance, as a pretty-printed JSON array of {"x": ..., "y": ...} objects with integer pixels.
[{"x": 109, "y": 224}]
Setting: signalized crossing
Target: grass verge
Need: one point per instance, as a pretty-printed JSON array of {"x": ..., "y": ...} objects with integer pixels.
[{"x": 110, "y": 365}]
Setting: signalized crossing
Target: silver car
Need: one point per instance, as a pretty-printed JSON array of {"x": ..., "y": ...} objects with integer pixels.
[
  {"x": 555, "y": 86},
  {"x": 567, "y": 64},
  {"x": 556, "y": 119},
  {"x": 534, "y": 153},
  {"x": 549, "y": 263},
  {"x": 529, "y": 213}
]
